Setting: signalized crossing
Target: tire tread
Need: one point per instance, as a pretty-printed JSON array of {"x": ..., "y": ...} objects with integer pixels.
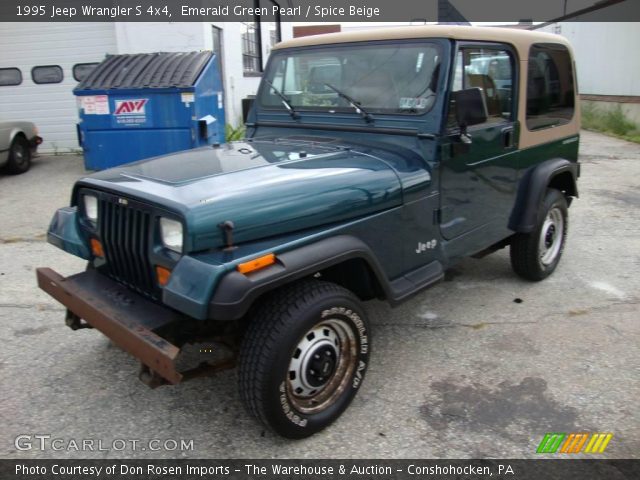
[
  {"x": 524, "y": 246},
  {"x": 269, "y": 319}
]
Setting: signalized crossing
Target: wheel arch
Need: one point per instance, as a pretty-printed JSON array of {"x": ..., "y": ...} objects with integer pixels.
[
  {"x": 344, "y": 260},
  {"x": 558, "y": 173},
  {"x": 15, "y": 133}
]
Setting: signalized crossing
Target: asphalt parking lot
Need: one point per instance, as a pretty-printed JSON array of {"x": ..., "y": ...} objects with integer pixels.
[{"x": 481, "y": 365}]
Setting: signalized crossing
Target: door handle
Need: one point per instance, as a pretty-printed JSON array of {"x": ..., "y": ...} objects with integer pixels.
[{"x": 507, "y": 137}]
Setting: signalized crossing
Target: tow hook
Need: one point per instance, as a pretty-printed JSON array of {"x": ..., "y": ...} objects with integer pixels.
[
  {"x": 150, "y": 378},
  {"x": 74, "y": 322}
]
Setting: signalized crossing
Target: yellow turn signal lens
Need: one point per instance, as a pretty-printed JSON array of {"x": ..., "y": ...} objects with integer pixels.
[
  {"x": 163, "y": 275},
  {"x": 96, "y": 248},
  {"x": 257, "y": 263}
]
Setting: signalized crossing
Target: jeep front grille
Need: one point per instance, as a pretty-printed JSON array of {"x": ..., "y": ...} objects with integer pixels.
[{"x": 126, "y": 232}]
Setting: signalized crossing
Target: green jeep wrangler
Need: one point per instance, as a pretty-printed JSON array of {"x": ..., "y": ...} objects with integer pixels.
[{"x": 373, "y": 162}]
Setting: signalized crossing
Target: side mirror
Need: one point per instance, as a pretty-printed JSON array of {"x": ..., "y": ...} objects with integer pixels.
[{"x": 470, "y": 107}]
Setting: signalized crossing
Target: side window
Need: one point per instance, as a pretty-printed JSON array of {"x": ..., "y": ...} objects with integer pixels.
[
  {"x": 491, "y": 70},
  {"x": 10, "y": 76},
  {"x": 550, "y": 88},
  {"x": 47, "y": 74},
  {"x": 82, "y": 70}
]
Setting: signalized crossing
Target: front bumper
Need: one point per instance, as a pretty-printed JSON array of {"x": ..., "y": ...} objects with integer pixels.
[{"x": 128, "y": 319}]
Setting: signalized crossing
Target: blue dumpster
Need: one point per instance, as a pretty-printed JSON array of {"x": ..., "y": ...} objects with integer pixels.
[{"x": 138, "y": 106}]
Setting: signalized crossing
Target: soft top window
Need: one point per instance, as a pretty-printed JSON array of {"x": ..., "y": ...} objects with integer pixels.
[{"x": 550, "y": 86}]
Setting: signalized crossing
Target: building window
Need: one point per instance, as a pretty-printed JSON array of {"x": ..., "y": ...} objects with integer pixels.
[
  {"x": 251, "y": 48},
  {"x": 82, "y": 70},
  {"x": 47, "y": 74},
  {"x": 274, "y": 34},
  {"x": 10, "y": 76},
  {"x": 550, "y": 87}
]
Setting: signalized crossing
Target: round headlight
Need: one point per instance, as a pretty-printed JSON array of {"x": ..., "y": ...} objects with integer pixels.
[
  {"x": 171, "y": 234},
  {"x": 91, "y": 208}
]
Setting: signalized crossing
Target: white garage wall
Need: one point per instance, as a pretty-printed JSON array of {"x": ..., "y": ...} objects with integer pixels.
[
  {"x": 237, "y": 85},
  {"x": 606, "y": 56},
  {"x": 143, "y": 37},
  {"x": 133, "y": 37},
  {"x": 52, "y": 107}
]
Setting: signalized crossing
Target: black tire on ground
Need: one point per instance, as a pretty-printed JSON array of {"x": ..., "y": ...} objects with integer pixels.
[
  {"x": 535, "y": 255},
  {"x": 303, "y": 357},
  {"x": 19, "y": 156}
]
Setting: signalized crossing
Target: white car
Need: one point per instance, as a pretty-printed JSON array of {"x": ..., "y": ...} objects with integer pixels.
[{"x": 18, "y": 143}]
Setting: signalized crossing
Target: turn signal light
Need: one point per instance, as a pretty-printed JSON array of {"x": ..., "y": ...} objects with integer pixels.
[
  {"x": 257, "y": 263},
  {"x": 96, "y": 248},
  {"x": 163, "y": 275}
]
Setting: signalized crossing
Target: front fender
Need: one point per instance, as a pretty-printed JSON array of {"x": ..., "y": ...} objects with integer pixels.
[{"x": 235, "y": 293}]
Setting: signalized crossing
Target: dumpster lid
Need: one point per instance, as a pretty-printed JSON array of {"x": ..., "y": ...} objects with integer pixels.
[{"x": 146, "y": 70}]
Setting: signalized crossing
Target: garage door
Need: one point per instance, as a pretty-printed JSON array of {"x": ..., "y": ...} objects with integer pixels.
[{"x": 46, "y": 54}]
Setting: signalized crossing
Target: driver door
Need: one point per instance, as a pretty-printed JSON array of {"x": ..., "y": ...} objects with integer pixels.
[{"x": 478, "y": 181}]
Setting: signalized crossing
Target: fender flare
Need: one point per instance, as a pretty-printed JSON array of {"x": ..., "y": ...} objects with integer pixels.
[
  {"x": 15, "y": 132},
  {"x": 532, "y": 188},
  {"x": 235, "y": 293}
]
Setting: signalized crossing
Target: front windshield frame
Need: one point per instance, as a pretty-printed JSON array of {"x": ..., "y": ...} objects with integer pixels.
[{"x": 438, "y": 74}]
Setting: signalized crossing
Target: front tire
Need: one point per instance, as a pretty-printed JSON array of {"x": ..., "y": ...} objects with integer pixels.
[
  {"x": 304, "y": 357},
  {"x": 19, "y": 156},
  {"x": 535, "y": 255}
]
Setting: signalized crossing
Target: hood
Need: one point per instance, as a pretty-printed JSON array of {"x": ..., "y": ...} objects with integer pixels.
[{"x": 265, "y": 188}]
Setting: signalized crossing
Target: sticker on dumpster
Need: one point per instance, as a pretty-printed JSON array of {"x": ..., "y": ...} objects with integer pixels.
[
  {"x": 131, "y": 112},
  {"x": 102, "y": 105},
  {"x": 94, "y": 104},
  {"x": 187, "y": 97},
  {"x": 88, "y": 104}
]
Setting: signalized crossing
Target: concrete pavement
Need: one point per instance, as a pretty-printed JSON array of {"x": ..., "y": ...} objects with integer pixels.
[{"x": 481, "y": 365}]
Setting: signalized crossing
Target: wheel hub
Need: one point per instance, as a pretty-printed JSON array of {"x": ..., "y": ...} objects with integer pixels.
[
  {"x": 321, "y": 366},
  {"x": 550, "y": 243},
  {"x": 314, "y": 361},
  {"x": 550, "y": 235},
  {"x": 18, "y": 154}
]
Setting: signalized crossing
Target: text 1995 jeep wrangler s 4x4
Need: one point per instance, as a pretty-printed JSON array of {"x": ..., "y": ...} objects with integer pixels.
[{"x": 373, "y": 162}]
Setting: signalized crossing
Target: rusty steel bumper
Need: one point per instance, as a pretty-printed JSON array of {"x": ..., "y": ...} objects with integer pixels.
[{"x": 127, "y": 318}]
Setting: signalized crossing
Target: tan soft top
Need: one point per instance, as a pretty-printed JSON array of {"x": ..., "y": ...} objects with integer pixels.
[{"x": 521, "y": 39}]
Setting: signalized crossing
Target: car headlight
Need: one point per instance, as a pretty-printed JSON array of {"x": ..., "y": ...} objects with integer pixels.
[
  {"x": 91, "y": 208},
  {"x": 171, "y": 234}
]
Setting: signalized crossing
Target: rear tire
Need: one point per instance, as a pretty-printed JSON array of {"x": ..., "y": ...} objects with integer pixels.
[
  {"x": 535, "y": 255},
  {"x": 19, "y": 156},
  {"x": 303, "y": 357}
]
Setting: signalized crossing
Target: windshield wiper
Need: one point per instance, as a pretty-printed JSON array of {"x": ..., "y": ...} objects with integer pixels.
[
  {"x": 285, "y": 100},
  {"x": 361, "y": 111}
]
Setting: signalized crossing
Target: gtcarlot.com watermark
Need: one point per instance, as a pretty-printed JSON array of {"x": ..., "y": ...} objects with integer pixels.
[{"x": 47, "y": 442}]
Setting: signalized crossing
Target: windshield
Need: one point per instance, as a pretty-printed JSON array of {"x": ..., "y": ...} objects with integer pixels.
[{"x": 398, "y": 78}]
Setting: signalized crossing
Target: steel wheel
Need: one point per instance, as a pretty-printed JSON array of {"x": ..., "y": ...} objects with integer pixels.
[
  {"x": 551, "y": 236},
  {"x": 321, "y": 366},
  {"x": 535, "y": 255},
  {"x": 19, "y": 156},
  {"x": 304, "y": 357}
]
